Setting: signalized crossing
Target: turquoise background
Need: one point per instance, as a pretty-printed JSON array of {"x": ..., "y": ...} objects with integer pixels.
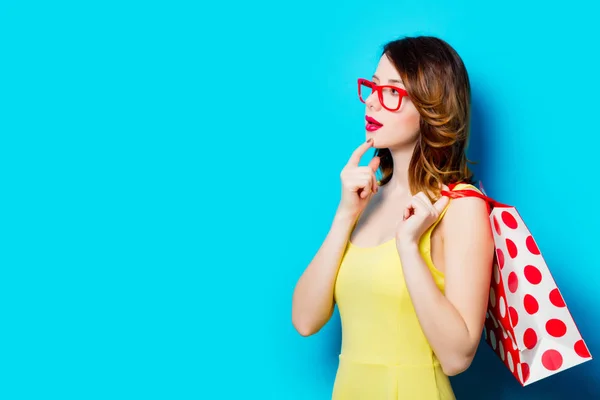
[{"x": 168, "y": 169}]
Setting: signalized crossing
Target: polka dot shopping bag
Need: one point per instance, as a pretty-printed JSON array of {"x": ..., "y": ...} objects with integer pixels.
[{"x": 528, "y": 324}]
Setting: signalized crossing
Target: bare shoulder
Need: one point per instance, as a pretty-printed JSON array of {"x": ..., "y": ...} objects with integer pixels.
[{"x": 466, "y": 214}]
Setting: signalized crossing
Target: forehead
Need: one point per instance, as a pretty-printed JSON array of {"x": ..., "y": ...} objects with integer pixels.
[{"x": 386, "y": 70}]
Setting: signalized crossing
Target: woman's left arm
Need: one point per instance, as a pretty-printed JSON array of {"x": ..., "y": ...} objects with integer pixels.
[{"x": 452, "y": 322}]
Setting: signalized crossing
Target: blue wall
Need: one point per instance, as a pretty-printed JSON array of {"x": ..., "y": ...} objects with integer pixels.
[{"x": 169, "y": 170}]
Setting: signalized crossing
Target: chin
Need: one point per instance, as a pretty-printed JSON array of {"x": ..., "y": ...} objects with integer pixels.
[
  {"x": 372, "y": 135},
  {"x": 377, "y": 141}
]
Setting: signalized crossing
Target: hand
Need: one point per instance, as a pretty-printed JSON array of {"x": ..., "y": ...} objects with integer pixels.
[
  {"x": 418, "y": 216},
  {"x": 358, "y": 183}
]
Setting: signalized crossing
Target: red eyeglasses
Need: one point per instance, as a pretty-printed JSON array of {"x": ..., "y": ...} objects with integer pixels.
[{"x": 390, "y": 97}]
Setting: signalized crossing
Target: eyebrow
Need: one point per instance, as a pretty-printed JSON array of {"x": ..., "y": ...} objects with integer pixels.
[{"x": 390, "y": 80}]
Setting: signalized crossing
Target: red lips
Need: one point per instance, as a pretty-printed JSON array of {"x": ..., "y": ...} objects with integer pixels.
[
  {"x": 373, "y": 121},
  {"x": 372, "y": 124}
]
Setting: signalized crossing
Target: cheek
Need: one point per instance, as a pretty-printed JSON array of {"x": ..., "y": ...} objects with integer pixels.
[
  {"x": 413, "y": 120},
  {"x": 406, "y": 123}
]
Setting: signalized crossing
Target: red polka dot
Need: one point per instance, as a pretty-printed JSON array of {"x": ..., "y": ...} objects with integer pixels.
[
  {"x": 525, "y": 371},
  {"x": 513, "y": 282},
  {"x": 512, "y": 248},
  {"x": 509, "y": 220},
  {"x": 531, "y": 246},
  {"x": 556, "y": 327},
  {"x": 530, "y": 303},
  {"x": 581, "y": 349},
  {"x": 556, "y": 298},
  {"x": 496, "y": 225},
  {"x": 500, "y": 255},
  {"x": 514, "y": 316},
  {"x": 532, "y": 274},
  {"x": 530, "y": 338},
  {"x": 552, "y": 360}
]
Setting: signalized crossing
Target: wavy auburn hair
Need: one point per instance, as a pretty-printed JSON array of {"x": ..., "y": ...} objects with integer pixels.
[{"x": 438, "y": 85}]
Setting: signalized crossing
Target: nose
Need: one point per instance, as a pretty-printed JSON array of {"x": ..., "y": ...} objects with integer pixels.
[{"x": 372, "y": 102}]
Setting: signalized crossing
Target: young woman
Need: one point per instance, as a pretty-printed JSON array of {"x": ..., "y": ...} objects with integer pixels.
[{"x": 408, "y": 268}]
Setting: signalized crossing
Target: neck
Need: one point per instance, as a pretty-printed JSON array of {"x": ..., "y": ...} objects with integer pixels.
[{"x": 401, "y": 157}]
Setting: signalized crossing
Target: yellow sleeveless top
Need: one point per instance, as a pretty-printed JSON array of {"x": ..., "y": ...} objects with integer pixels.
[{"x": 385, "y": 354}]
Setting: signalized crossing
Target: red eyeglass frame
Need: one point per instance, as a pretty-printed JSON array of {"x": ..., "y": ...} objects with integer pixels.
[{"x": 379, "y": 90}]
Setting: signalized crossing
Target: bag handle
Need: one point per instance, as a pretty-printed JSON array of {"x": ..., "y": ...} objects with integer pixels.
[{"x": 454, "y": 194}]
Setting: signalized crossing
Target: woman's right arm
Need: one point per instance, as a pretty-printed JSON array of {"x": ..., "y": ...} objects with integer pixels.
[{"x": 313, "y": 301}]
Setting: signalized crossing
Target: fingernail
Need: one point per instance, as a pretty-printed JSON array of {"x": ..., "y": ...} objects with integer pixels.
[{"x": 370, "y": 140}]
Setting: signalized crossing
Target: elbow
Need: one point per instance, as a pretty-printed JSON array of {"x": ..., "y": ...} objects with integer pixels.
[
  {"x": 457, "y": 365},
  {"x": 459, "y": 361},
  {"x": 453, "y": 369},
  {"x": 303, "y": 328},
  {"x": 305, "y": 332},
  {"x": 307, "y": 324}
]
